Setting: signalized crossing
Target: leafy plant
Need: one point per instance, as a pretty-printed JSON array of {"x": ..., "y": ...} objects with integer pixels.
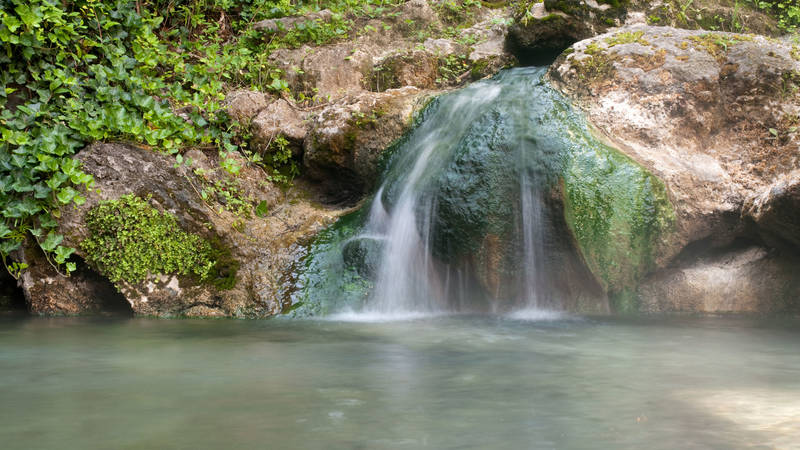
[
  {"x": 786, "y": 11},
  {"x": 130, "y": 239}
]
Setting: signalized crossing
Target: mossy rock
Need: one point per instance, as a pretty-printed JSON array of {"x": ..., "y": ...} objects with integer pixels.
[
  {"x": 363, "y": 254},
  {"x": 129, "y": 239},
  {"x": 715, "y": 15},
  {"x": 619, "y": 214}
]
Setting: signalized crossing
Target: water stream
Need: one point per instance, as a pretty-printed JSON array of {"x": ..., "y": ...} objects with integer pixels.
[{"x": 461, "y": 221}]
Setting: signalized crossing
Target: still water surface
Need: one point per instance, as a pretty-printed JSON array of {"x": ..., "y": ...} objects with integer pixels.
[{"x": 447, "y": 382}]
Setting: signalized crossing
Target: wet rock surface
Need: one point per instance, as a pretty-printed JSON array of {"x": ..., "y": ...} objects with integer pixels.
[{"x": 751, "y": 279}]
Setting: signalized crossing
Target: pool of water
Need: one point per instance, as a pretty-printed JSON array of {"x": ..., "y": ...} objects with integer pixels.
[{"x": 439, "y": 382}]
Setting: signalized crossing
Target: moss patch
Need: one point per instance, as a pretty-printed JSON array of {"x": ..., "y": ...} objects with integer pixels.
[
  {"x": 129, "y": 239},
  {"x": 627, "y": 37},
  {"x": 716, "y": 44},
  {"x": 619, "y": 214}
]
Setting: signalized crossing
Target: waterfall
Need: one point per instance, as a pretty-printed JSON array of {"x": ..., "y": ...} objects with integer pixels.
[
  {"x": 410, "y": 277},
  {"x": 463, "y": 220}
]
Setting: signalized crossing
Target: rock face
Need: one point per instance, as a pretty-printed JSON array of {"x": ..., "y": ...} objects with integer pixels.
[
  {"x": 202, "y": 199},
  {"x": 346, "y": 139},
  {"x": 749, "y": 279},
  {"x": 362, "y": 93},
  {"x": 776, "y": 211},
  {"x": 712, "y": 115}
]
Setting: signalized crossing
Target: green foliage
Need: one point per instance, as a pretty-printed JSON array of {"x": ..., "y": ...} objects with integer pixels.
[
  {"x": 227, "y": 192},
  {"x": 786, "y": 11},
  {"x": 130, "y": 239},
  {"x": 451, "y": 68},
  {"x": 83, "y": 71},
  {"x": 148, "y": 71},
  {"x": 458, "y": 12}
]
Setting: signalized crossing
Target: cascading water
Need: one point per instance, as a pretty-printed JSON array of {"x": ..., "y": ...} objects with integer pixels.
[
  {"x": 463, "y": 219},
  {"x": 407, "y": 281}
]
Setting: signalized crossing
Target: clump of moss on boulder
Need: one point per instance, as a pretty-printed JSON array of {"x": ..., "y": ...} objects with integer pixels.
[{"x": 130, "y": 239}]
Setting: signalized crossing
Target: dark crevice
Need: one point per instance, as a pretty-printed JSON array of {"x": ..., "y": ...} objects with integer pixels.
[
  {"x": 708, "y": 248},
  {"x": 107, "y": 298},
  {"x": 12, "y": 298},
  {"x": 538, "y": 57},
  {"x": 342, "y": 188}
]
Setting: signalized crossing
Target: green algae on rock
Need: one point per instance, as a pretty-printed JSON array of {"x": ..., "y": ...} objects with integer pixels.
[{"x": 619, "y": 213}]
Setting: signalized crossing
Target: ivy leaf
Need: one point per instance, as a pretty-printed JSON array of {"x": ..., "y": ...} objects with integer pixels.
[
  {"x": 51, "y": 241},
  {"x": 27, "y": 207},
  {"x": 4, "y": 230},
  {"x": 41, "y": 191},
  {"x": 9, "y": 245},
  {"x": 46, "y": 221},
  {"x": 30, "y": 17},
  {"x": 62, "y": 253},
  {"x": 262, "y": 209},
  {"x": 66, "y": 195}
]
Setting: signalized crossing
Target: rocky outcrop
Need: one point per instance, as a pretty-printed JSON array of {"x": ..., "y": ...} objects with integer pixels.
[
  {"x": 749, "y": 279},
  {"x": 279, "y": 118},
  {"x": 252, "y": 252},
  {"x": 360, "y": 94},
  {"x": 542, "y": 29},
  {"x": 284, "y": 24},
  {"x": 712, "y": 115},
  {"x": 346, "y": 139}
]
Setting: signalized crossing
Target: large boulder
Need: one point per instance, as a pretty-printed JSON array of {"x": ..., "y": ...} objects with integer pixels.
[
  {"x": 203, "y": 207},
  {"x": 712, "y": 115}
]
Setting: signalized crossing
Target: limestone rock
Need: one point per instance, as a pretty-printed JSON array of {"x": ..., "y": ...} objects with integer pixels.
[
  {"x": 695, "y": 112},
  {"x": 49, "y": 293},
  {"x": 416, "y": 68},
  {"x": 279, "y": 118},
  {"x": 749, "y": 279},
  {"x": 710, "y": 115},
  {"x": 346, "y": 138},
  {"x": 242, "y": 105},
  {"x": 262, "y": 247}
]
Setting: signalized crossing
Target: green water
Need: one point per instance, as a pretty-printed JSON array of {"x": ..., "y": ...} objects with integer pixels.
[{"x": 447, "y": 382}]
